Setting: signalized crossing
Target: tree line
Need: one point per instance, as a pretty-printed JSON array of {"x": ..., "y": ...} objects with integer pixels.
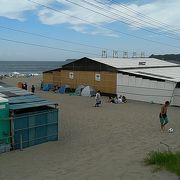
[{"x": 168, "y": 57}]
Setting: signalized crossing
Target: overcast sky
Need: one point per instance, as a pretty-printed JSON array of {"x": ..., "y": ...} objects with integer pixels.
[{"x": 55, "y": 30}]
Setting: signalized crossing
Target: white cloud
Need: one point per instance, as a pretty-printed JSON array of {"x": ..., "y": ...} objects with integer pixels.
[
  {"x": 14, "y": 9},
  {"x": 79, "y": 28},
  {"x": 84, "y": 18},
  {"x": 164, "y": 11},
  {"x": 162, "y": 15}
]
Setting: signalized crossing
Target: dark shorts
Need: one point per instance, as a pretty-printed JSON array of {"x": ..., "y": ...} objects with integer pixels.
[
  {"x": 163, "y": 120},
  {"x": 98, "y": 101}
]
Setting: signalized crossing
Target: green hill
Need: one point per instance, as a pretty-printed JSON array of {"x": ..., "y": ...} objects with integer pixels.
[{"x": 167, "y": 57}]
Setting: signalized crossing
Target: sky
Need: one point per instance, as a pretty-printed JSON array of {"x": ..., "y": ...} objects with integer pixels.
[{"x": 56, "y": 30}]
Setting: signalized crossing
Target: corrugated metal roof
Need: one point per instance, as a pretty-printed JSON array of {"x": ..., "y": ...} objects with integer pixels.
[
  {"x": 2, "y": 95},
  {"x": 22, "y": 99},
  {"x": 8, "y": 94},
  {"x": 13, "y": 91},
  {"x": 30, "y": 101},
  {"x": 121, "y": 63},
  {"x": 3, "y": 100},
  {"x": 2, "y": 84},
  {"x": 30, "y": 105},
  {"x": 169, "y": 73}
]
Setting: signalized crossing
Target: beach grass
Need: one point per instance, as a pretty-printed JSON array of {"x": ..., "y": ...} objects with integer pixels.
[{"x": 164, "y": 160}]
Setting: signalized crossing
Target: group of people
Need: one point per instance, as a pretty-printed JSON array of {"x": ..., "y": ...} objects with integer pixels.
[
  {"x": 25, "y": 87},
  {"x": 118, "y": 99}
]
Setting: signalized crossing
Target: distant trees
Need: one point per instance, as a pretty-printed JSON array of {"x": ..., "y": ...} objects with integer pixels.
[{"x": 168, "y": 57}]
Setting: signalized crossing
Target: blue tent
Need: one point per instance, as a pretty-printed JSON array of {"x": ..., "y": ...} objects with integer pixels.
[
  {"x": 63, "y": 88},
  {"x": 47, "y": 87}
]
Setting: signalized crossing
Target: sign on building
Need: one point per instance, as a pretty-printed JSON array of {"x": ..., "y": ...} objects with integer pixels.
[
  {"x": 97, "y": 77},
  {"x": 71, "y": 75}
]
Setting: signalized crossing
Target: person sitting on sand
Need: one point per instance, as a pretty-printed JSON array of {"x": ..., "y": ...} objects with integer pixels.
[
  {"x": 163, "y": 115},
  {"x": 119, "y": 99},
  {"x": 115, "y": 100},
  {"x": 124, "y": 100},
  {"x": 111, "y": 99},
  {"x": 55, "y": 88}
]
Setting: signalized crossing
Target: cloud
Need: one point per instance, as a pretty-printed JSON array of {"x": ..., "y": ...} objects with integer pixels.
[
  {"x": 77, "y": 17},
  {"x": 159, "y": 12},
  {"x": 15, "y": 9},
  {"x": 162, "y": 15},
  {"x": 79, "y": 28}
]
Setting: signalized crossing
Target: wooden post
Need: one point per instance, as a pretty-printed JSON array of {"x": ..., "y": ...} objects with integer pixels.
[
  {"x": 12, "y": 129},
  {"x": 21, "y": 146}
]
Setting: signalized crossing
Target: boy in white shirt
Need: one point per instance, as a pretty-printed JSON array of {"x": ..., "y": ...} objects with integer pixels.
[{"x": 98, "y": 99}]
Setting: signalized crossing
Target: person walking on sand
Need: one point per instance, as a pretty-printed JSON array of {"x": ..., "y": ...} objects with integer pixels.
[
  {"x": 33, "y": 89},
  {"x": 163, "y": 115},
  {"x": 98, "y": 99}
]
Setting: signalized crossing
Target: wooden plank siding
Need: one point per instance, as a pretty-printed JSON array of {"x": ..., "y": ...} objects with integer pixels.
[
  {"x": 66, "y": 80},
  {"x": 57, "y": 78},
  {"x": 48, "y": 78},
  {"x": 107, "y": 83}
]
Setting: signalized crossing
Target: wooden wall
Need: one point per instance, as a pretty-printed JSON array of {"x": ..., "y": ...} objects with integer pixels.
[
  {"x": 57, "y": 78},
  {"x": 48, "y": 77},
  {"x": 107, "y": 83}
]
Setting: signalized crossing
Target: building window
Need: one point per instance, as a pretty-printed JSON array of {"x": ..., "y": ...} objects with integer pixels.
[
  {"x": 71, "y": 75},
  {"x": 97, "y": 77}
]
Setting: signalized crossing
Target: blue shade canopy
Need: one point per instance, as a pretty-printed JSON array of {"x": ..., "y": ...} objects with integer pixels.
[
  {"x": 30, "y": 104},
  {"x": 22, "y": 99},
  {"x": 13, "y": 91},
  {"x": 29, "y": 101}
]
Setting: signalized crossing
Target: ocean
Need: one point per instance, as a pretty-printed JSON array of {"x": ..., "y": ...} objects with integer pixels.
[{"x": 28, "y": 67}]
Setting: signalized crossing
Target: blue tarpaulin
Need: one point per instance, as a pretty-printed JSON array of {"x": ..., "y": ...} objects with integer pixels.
[
  {"x": 47, "y": 87},
  {"x": 62, "y": 89}
]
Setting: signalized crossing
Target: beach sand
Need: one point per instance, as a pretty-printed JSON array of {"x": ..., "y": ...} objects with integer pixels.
[{"x": 105, "y": 143}]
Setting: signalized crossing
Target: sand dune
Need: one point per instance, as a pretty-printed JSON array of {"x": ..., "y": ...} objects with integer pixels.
[{"x": 105, "y": 143}]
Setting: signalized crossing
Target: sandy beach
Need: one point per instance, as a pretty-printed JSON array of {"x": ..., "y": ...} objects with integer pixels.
[{"x": 105, "y": 143}]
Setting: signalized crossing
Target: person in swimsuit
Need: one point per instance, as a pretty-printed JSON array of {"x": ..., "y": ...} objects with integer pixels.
[{"x": 163, "y": 115}]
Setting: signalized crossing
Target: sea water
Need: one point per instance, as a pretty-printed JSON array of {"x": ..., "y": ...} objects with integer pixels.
[{"x": 28, "y": 67}]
